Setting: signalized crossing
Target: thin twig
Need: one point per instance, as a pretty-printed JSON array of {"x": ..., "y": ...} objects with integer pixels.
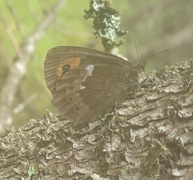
[
  {"x": 14, "y": 42},
  {"x": 16, "y": 19}
]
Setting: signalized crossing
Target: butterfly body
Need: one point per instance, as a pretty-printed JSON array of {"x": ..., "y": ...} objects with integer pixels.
[{"x": 87, "y": 83}]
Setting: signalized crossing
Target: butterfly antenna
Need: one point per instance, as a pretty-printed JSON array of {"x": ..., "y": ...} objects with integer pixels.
[
  {"x": 142, "y": 63},
  {"x": 155, "y": 54}
]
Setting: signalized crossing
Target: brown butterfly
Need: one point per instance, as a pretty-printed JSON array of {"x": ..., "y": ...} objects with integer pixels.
[{"x": 87, "y": 83}]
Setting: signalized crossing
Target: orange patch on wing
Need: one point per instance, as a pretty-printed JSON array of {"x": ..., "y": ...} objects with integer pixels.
[{"x": 73, "y": 62}]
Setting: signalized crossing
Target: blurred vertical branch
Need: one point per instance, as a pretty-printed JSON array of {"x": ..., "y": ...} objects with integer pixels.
[{"x": 18, "y": 69}]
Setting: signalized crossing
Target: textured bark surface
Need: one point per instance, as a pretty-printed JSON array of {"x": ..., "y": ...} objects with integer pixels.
[{"x": 148, "y": 137}]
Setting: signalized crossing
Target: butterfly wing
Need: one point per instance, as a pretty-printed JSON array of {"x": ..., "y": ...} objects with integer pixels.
[{"x": 86, "y": 83}]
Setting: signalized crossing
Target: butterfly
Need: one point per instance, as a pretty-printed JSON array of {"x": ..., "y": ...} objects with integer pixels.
[{"x": 86, "y": 83}]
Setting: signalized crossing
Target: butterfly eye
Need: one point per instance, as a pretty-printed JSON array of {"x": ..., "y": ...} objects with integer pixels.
[{"x": 66, "y": 68}]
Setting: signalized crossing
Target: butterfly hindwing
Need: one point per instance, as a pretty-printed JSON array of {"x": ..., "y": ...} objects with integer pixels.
[{"x": 86, "y": 83}]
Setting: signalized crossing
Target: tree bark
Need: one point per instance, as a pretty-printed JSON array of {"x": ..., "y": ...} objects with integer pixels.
[{"x": 149, "y": 137}]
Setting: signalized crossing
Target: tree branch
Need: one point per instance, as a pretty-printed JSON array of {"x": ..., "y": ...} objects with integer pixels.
[{"x": 152, "y": 139}]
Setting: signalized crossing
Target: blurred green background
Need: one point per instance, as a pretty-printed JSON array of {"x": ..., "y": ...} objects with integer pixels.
[{"x": 159, "y": 25}]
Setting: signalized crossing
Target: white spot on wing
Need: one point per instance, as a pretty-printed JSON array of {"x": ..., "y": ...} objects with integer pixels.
[{"x": 89, "y": 69}]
